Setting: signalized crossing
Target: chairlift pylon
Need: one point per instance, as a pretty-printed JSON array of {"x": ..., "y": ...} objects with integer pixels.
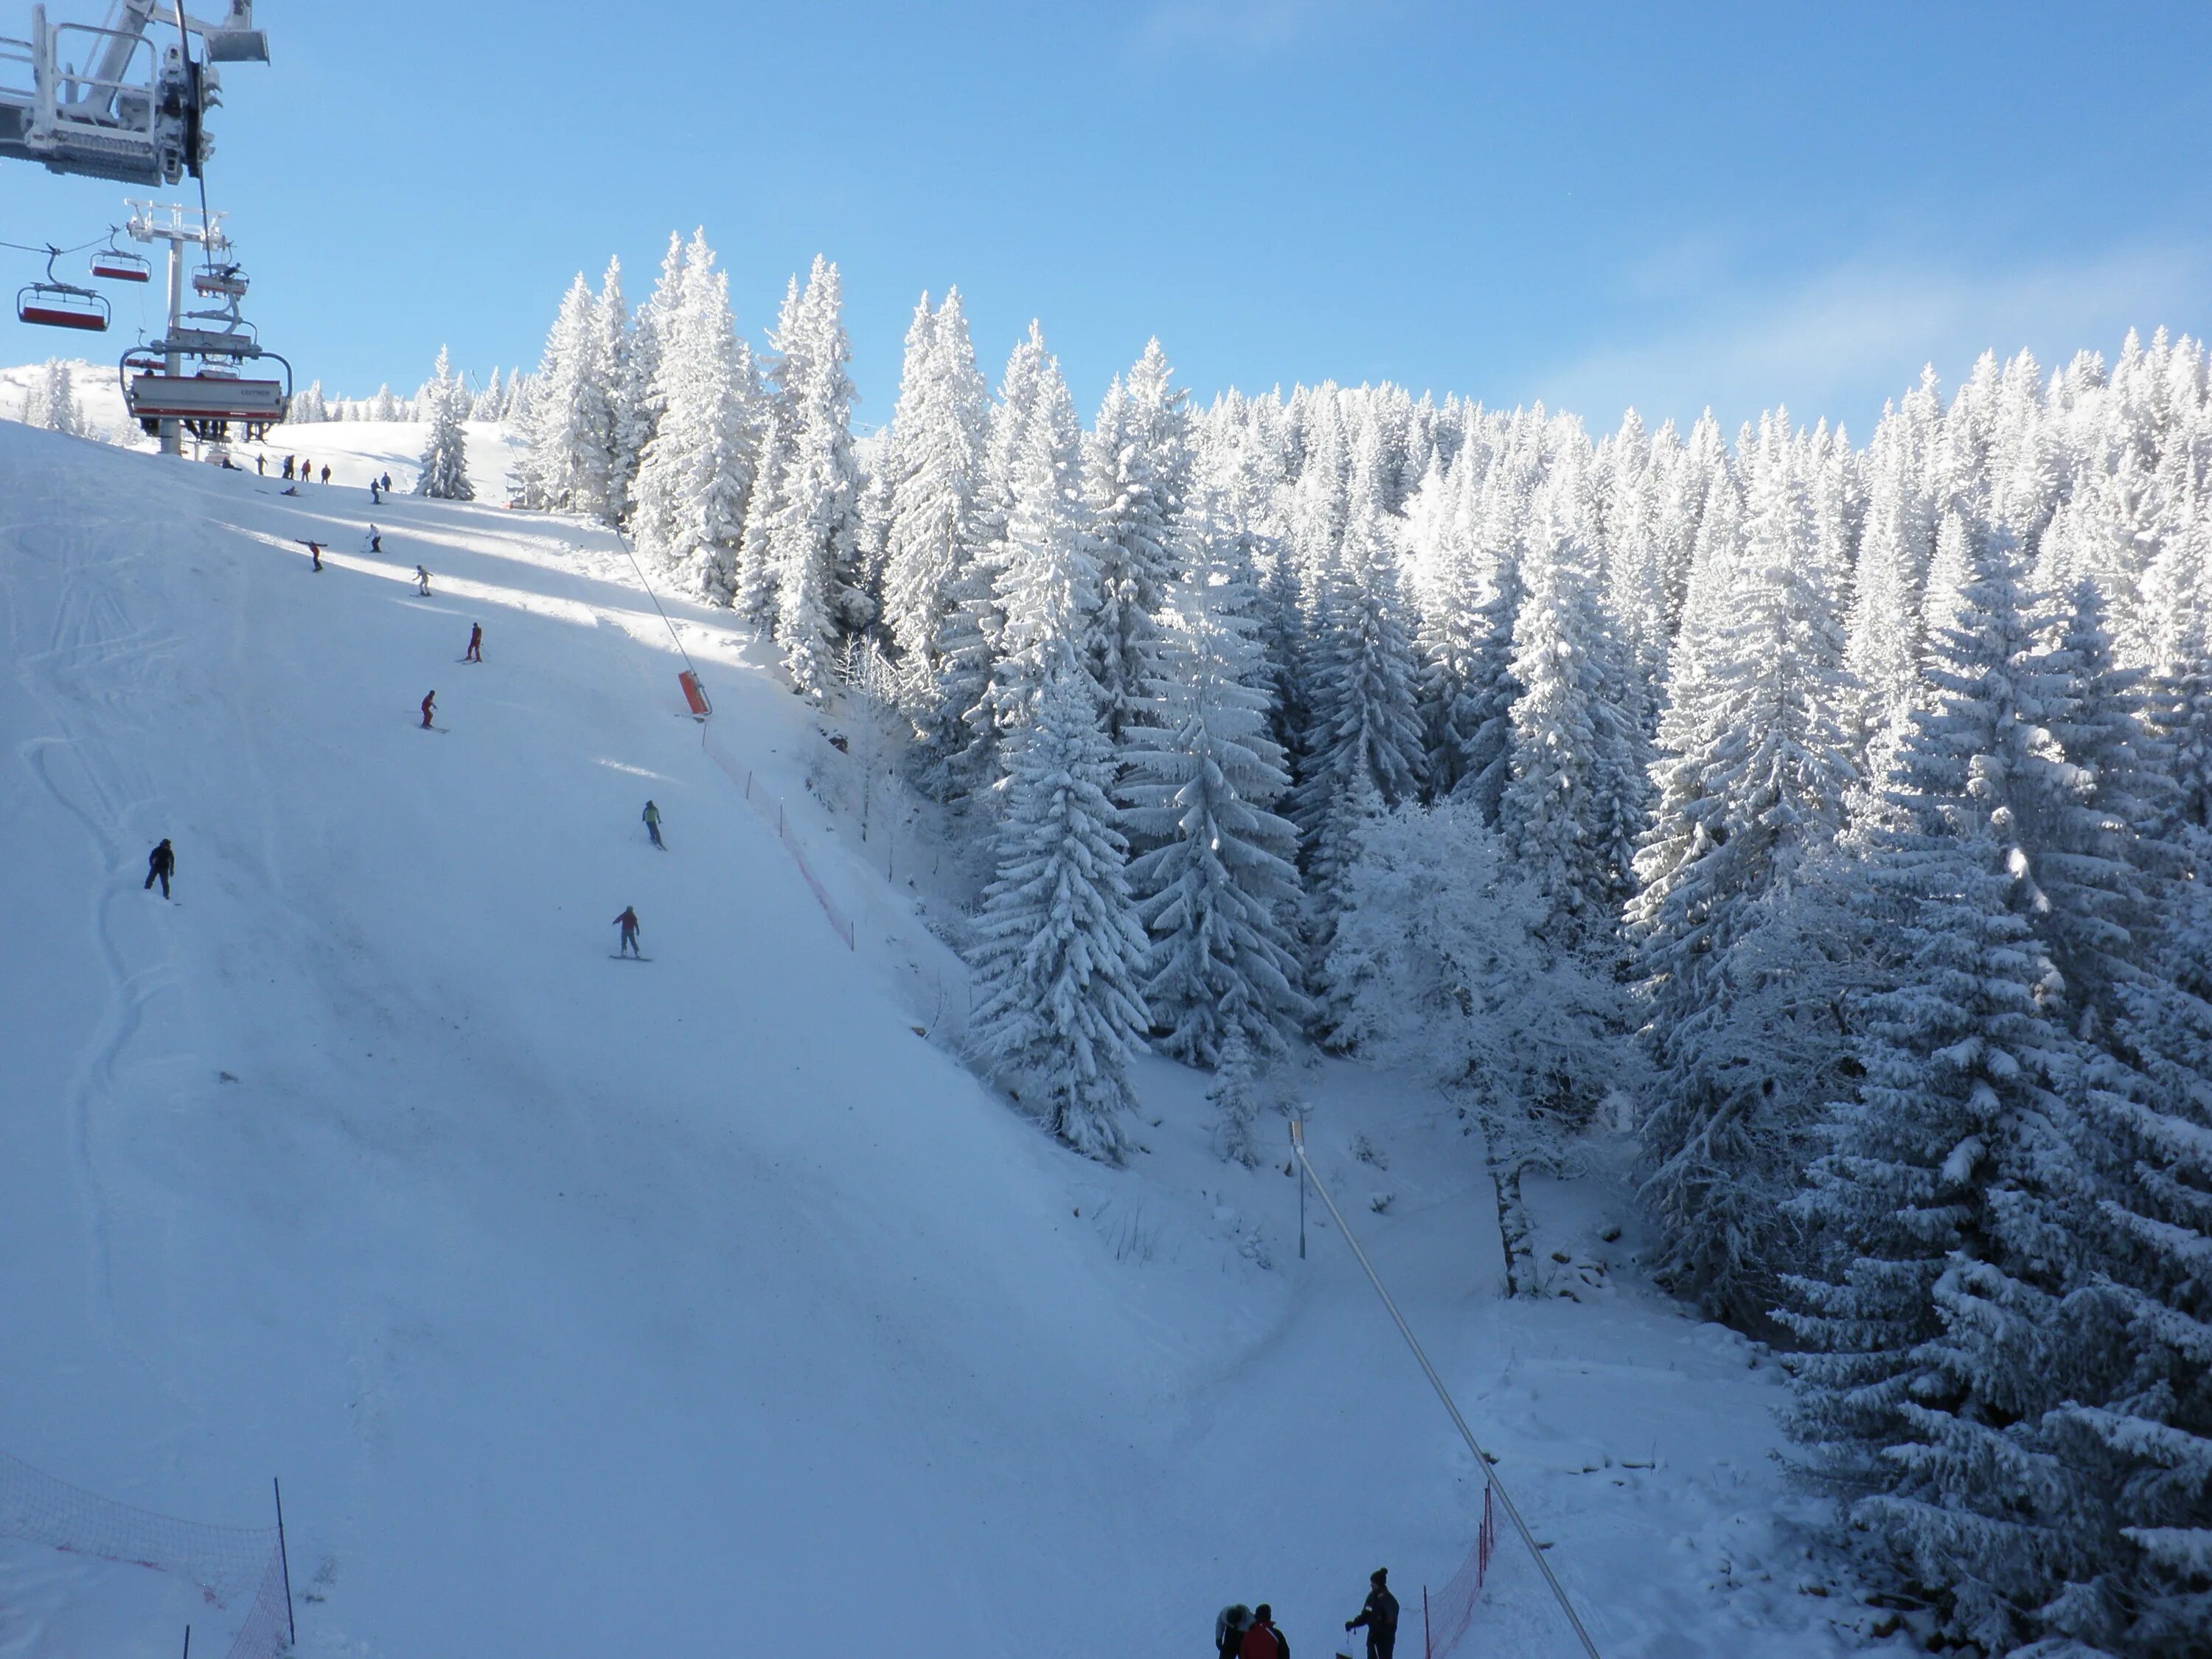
[{"x": 56, "y": 304}]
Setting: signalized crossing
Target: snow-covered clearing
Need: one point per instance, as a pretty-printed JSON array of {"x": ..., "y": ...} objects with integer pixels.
[{"x": 700, "y": 1307}]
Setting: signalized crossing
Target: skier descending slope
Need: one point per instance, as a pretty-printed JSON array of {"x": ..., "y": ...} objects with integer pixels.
[
  {"x": 160, "y": 865},
  {"x": 474, "y": 652},
  {"x": 652, "y": 825},
  {"x": 429, "y": 707},
  {"x": 628, "y": 922}
]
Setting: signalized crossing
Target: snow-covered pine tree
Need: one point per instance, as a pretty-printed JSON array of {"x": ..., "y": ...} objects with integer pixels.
[
  {"x": 1571, "y": 743},
  {"x": 973, "y": 632},
  {"x": 1203, "y": 779},
  {"x": 1049, "y": 595},
  {"x": 623, "y": 429},
  {"x": 933, "y": 466},
  {"x": 490, "y": 403},
  {"x": 1136, "y": 469},
  {"x": 565, "y": 468},
  {"x": 1058, "y": 947},
  {"x": 814, "y": 543},
  {"x": 1950, "y": 1194},
  {"x": 696, "y": 475},
  {"x": 785, "y": 370},
  {"x": 51, "y": 401},
  {"x": 1755, "y": 795},
  {"x": 1363, "y": 746},
  {"x": 443, "y": 474}
]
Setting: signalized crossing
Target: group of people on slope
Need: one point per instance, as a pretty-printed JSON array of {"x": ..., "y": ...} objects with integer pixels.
[
  {"x": 1241, "y": 1632},
  {"x": 303, "y": 470}
]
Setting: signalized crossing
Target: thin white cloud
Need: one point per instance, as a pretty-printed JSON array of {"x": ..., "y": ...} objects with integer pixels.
[
  {"x": 1245, "y": 25},
  {"x": 1839, "y": 343}
]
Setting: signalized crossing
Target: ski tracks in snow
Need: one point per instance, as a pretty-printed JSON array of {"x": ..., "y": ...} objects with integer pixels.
[{"x": 98, "y": 661}]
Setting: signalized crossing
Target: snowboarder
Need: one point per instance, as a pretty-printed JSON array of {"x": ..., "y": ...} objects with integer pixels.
[
  {"x": 1261, "y": 1639},
  {"x": 422, "y": 581},
  {"x": 429, "y": 707},
  {"x": 1379, "y": 1614},
  {"x": 628, "y": 922},
  {"x": 652, "y": 825},
  {"x": 160, "y": 865},
  {"x": 314, "y": 552},
  {"x": 1229, "y": 1627},
  {"x": 475, "y": 643}
]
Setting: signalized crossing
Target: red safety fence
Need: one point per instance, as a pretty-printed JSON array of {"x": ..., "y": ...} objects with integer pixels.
[
  {"x": 770, "y": 808},
  {"x": 1447, "y": 1616},
  {"x": 238, "y": 1571}
]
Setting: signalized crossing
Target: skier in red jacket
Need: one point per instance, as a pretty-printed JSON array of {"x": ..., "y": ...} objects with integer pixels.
[
  {"x": 1261, "y": 1639},
  {"x": 475, "y": 643},
  {"x": 430, "y": 707},
  {"x": 628, "y": 922}
]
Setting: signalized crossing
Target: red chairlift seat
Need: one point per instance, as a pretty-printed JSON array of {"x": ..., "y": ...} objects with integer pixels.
[
  {"x": 61, "y": 305},
  {"x": 116, "y": 266}
]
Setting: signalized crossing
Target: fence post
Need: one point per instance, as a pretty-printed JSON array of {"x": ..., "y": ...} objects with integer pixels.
[{"x": 284, "y": 1558}]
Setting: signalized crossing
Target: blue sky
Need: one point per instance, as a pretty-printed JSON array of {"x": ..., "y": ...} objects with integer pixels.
[{"x": 1595, "y": 204}]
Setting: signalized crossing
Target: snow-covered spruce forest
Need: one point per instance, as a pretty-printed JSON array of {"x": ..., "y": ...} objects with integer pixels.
[{"x": 1837, "y": 816}]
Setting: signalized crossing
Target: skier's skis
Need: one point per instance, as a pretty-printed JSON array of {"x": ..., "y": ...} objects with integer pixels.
[{"x": 618, "y": 956}]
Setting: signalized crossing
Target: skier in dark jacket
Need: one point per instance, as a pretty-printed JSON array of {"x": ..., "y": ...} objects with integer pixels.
[
  {"x": 628, "y": 922},
  {"x": 326, "y": 471},
  {"x": 652, "y": 825},
  {"x": 160, "y": 865},
  {"x": 1229, "y": 1627},
  {"x": 475, "y": 643},
  {"x": 429, "y": 707},
  {"x": 288, "y": 469},
  {"x": 1379, "y": 1615}
]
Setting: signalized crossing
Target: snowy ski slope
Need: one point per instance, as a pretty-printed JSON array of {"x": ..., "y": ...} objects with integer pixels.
[{"x": 701, "y": 1307}]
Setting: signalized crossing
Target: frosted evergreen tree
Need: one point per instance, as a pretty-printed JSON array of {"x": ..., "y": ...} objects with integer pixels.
[
  {"x": 974, "y": 630},
  {"x": 1204, "y": 777},
  {"x": 1886, "y": 630},
  {"x": 1363, "y": 746},
  {"x": 1235, "y": 1096},
  {"x": 932, "y": 469},
  {"x": 784, "y": 372},
  {"x": 1951, "y": 1189},
  {"x": 1136, "y": 467},
  {"x": 490, "y": 403},
  {"x": 814, "y": 539},
  {"x": 443, "y": 474},
  {"x": 696, "y": 475},
  {"x": 1048, "y": 592},
  {"x": 565, "y": 469},
  {"x": 1559, "y": 811},
  {"x": 51, "y": 401},
  {"x": 1755, "y": 794},
  {"x": 623, "y": 429},
  {"x": 1058, "y": 946}
]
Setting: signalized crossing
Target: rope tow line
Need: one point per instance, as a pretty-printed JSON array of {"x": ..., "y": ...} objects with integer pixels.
[{"x": 1483, "y": 1458}]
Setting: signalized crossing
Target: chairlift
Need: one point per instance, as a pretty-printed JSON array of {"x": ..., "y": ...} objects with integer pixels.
[
  {"x": 115, "y": 265},
  {"x": 56, "y": 304},
  {"x": 208, "y": 401},
  {"x": 224, "y": 282}
]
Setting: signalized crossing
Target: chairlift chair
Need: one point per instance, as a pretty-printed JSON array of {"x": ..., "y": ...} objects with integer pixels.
[
  {"x": 225, "y": 282},
  {"x": 56, "y": 304},
  {"x": 208, "y": 402},
  {"x": 115, "y": 265}
]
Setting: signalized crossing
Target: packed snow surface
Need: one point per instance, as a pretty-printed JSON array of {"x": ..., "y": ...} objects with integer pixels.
[{"x": 700, "y": 1306}]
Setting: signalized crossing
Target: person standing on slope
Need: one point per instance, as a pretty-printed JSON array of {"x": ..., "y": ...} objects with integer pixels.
[
  {"x": 160, "y": 865},
  {"x": 429, "y": 707},
  {"x": 474, "y": 652},
  {"x": 628, "y": 922},
  {"x": 422, "y": 581},
  {"x": 1229, "y": 1627},
  {"x": 652, "y": 825},
  {"x": 375, "y": 494},
  {"x": 387, "y": 482},
  {"x": 1379, "y": 1614},
  {"x": 376, "y": 542},
  {"x": 314, "y": 552},
  {"x": 288, "y": 469},
  {"x": 1261, "y": 1639},
  {"x": 326, "y": 471}
]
